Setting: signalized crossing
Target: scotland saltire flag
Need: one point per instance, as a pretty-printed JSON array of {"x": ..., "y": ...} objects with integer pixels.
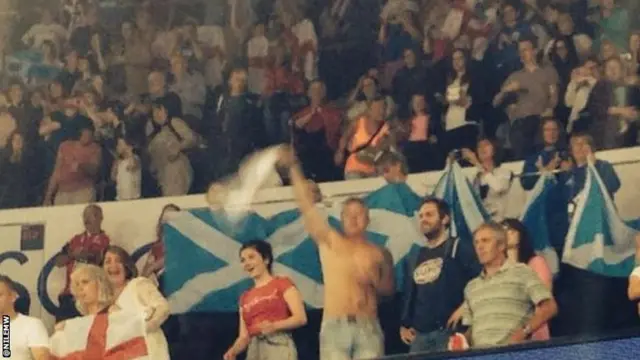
[
  {"x": 202, "y": 267},
  {"x": 534, "y": 218},
  {"x": 202, "y": 251},
  {"x": 598, "y": 240},
  {"x": 467, "y": 210}
]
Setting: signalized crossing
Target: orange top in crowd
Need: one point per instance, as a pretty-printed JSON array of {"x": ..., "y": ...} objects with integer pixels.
[{"x": 360, "y": 137}]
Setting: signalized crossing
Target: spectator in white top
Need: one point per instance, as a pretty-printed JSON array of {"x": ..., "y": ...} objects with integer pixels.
[
  {"x": 47, "y": 29},
  {"x": 126, "y": 171},
  {"x": 491, "y": 181},
  {"x": 29, "y": 339}
]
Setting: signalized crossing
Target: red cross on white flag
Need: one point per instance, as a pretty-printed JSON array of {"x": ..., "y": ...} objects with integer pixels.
[{"x": 113, "y": 336}]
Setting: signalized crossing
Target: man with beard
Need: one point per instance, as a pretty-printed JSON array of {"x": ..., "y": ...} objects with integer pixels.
[{"x": 436, "y": 276}]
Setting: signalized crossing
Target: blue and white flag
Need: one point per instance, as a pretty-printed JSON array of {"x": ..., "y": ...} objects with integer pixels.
[
  {"x": 534, "y": 218},
  {"x": 467, "y": 210},
  {"x": 598, "y": 240},
  {"x": 202, "y": 267},
  {"x": 202, "y": 250}
]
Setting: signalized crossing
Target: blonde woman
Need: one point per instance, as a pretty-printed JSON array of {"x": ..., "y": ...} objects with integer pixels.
[{"x": 92, "y": 291}]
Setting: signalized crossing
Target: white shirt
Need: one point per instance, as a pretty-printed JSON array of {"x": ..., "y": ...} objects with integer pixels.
[
  {"x": 128, "y": 179},
  {"x": 636, "y": 272},
  {"x": 577, "y": 97},
  {"x": 456, "y": 115},
  {"x": 27, "y": 332}
]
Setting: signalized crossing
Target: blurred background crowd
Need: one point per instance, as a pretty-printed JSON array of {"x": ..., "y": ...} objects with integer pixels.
[{"x": 120, "y": 100}]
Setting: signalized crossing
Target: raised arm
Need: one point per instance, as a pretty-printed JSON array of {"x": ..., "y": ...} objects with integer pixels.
[{"x": 315, "y": 222}]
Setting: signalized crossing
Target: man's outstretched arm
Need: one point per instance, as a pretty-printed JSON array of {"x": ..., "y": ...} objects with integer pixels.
[{"x": 315, "y": 222}]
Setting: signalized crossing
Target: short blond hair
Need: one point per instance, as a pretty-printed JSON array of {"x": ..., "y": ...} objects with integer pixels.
[{"x": 106, "y": 295}]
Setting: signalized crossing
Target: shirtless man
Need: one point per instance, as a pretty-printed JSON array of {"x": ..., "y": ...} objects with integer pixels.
[{"x": 355, "y": 273}]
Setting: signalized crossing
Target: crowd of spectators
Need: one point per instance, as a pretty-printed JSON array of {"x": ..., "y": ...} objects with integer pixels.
[{"x": 150, "y": 100}]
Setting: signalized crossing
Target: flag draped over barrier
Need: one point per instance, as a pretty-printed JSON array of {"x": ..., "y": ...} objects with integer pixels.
[
  {"x": 598, "y": 239},
  {"x": 202, "y": 266},
  {"x": 534, "y": 218},
  {"x": 467, "y": 210},
  {"x": 113, "y": 336},
  {"x": 203, "y": 271}
]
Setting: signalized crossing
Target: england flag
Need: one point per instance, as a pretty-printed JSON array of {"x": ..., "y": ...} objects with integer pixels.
[{"x": 118, "y": 335}]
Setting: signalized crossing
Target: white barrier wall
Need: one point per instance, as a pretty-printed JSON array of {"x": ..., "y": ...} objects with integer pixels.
[{"x": 131, "y": 224}]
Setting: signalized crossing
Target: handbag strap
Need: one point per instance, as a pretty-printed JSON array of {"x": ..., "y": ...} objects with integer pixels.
[{"x": 365, "y": 145}]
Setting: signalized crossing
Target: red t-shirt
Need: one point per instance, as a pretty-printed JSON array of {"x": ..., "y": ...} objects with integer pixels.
[
  {"x": 96, "y": 244},
  {"x": 265, "y": 303}
]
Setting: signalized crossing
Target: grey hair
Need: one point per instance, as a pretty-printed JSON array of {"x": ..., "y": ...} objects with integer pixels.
[
  {"x": 106, "y": 294},
  {"x": 498, "y": 231}
]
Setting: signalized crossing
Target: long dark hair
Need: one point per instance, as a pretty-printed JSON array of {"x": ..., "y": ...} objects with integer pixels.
[
  {"x": 162, "y": 104},
  {"x": 10, "y": 151},
  {"x": 130, "y": 269},
  {"x": 498, "y": 152},
  {"x": 263, "y": 248},
  {"x": 525, "y": 248},
  {"x": 451, "y": 72}
]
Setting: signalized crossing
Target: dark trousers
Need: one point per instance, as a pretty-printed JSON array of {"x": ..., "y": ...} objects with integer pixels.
[{"x": 524, "y": 136}]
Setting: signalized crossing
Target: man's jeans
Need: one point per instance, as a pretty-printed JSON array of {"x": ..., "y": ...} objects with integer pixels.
[
  {"x": 278, "y": 346},
  {"x": 434, "y": 341},
  {"x": 346, "y": 338}
]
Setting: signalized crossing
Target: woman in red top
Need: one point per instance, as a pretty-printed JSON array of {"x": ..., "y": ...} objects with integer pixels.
[{"x": 268, "y": 311}]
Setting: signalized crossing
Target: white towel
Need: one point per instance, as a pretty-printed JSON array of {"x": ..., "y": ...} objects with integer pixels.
[{"x": 235, "y": 196}]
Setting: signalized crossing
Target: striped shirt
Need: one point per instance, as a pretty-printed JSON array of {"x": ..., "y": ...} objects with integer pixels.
[{"x": 498, "y": 305}]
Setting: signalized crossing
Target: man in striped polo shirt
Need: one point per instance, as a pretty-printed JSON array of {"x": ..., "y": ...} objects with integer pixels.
[{"x": 507, "y": 302}]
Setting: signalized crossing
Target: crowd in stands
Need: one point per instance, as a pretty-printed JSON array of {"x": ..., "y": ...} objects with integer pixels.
[
  {"x": 494, "y": 288},
  {"x": 148, "y": 100}
]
